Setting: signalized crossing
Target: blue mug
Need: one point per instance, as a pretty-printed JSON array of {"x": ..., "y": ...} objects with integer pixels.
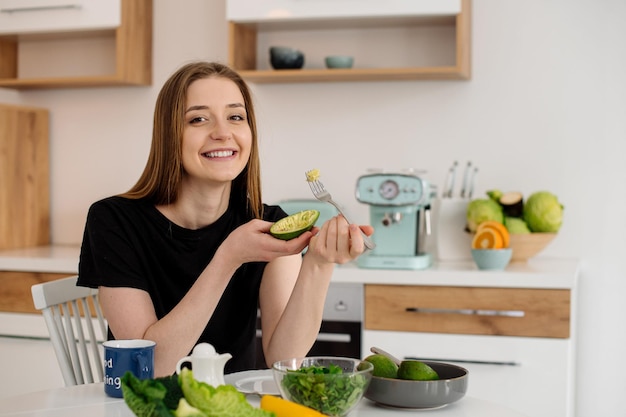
[{"x": 134, "y": 355}]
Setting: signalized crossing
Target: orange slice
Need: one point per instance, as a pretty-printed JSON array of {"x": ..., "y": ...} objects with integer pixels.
[
  {"x": 500, "y": 228},
  {"x": 487, "y": 238}
]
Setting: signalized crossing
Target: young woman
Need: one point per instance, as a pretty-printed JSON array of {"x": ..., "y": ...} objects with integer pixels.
[{"x": 185, "y": 256}]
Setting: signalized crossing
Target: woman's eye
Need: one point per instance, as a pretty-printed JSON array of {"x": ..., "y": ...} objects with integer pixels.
[
  {"x": 238, "y": 117},
  {"x": 198, "y": 119}
]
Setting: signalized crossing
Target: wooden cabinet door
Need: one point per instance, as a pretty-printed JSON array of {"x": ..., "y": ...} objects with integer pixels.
[{"x": 24, "y": 177}]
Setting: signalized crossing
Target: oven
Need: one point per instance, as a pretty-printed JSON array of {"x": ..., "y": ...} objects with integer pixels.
[{"x": 342, "y": 324}]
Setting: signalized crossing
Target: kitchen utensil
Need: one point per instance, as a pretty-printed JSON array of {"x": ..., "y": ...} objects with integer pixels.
[
  {"x": 321, "y": 194},
  {"x": 466, "y": 175},
  {"x": 399, "y": 205},
  {"x": 449, "y": 185},
  {"x": 379, "y": 351},
  {"x": 470, "y": 190}
]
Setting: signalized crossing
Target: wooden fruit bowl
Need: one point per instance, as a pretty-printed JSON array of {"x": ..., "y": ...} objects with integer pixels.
[{"x": 526, "y": 246}]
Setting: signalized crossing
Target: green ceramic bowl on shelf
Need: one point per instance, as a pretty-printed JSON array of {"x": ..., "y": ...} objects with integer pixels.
[{"x": 339, "y": 61}]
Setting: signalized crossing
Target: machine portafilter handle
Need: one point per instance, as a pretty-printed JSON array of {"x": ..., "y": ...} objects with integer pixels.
[{"x": 390, "y": 218}]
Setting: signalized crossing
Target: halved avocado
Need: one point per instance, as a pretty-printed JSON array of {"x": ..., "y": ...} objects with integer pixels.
[
  {"x": 512, "y": 204},
  {"x": 294, "y": 225}
]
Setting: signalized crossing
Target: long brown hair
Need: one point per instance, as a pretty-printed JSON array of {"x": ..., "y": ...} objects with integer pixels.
[{"x": 162, "y": 176}]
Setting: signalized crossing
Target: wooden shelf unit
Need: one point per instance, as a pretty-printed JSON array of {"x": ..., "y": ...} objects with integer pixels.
[
  {"x": 133, "y": 54},
  {"x": 244, "y": 48}
]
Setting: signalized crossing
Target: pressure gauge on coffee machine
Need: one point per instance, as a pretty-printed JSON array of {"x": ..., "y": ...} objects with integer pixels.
[
  {"x": 389, "y": 189},
  {"x": 392, "y": 189}
]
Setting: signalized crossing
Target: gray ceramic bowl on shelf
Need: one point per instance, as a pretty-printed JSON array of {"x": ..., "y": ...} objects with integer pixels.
[
  {"x": 339, "y": 61},
  {"x": 399, "y": 393},
  {"x": 282, "y": 57}
]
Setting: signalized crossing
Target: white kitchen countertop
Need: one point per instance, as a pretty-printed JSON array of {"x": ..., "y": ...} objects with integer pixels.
[
  {"x": 536, "y": 273},
  {"x": 90, "y": 400},
  {"x": 61, "y": 259}
]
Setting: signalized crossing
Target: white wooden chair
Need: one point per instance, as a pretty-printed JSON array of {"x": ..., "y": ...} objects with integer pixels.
[{"x": 70, "y": 312}]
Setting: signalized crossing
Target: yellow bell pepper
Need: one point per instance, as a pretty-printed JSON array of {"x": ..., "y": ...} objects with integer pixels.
[{"x": 284, "y": 408}]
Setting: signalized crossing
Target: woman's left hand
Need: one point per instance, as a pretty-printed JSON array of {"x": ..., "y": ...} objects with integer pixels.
[{"x": 337, "y": 241}]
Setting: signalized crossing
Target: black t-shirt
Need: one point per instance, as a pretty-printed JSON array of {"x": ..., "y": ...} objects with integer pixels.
[{"x": 129, "y": 243}]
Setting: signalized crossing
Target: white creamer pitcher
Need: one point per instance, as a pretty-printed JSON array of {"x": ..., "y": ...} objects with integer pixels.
[{"x": 206, "y": 364}]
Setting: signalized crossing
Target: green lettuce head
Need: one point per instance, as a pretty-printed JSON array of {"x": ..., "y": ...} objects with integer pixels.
[
  {"x": 481, "y": 210},
  {"x": 516, "y": 226},
  {"x": 543, "y": 213}
]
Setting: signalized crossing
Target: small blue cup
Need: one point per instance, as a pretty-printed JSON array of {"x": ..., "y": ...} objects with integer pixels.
[
  {"x": 133, "y": 355},
  {"x": 492, "y": 259}
]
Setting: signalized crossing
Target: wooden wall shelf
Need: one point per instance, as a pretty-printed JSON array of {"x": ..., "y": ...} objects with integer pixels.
[
  {"x": 132, "y": 42},
  {"x": 246, "y": 43}
]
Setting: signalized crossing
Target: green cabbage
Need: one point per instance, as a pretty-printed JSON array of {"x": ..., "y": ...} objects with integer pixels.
[
  {"x": 495, "y": 195},
  {"x": 543, "y": 213},
  {"x": 223, "y": 401},
  {"x": 481, "y": 210},
  {"x": 145, "y": 397},
  {"x": 158, "y": 397},
  {"x": 516, "y": 226},
  {"x": 185, "y": 410}
]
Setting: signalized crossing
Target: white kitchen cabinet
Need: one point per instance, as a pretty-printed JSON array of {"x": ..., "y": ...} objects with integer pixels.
[
  {"x": 531, "y": 375},
  {"x": 513, "y": 330},
  {"x": 26, "y": 352},
  {"x": 270, "y": 10},
  {"x": 21, "y": 17},
  {"x": 75, "y": 43},
  {"x": 392, "y": 40},
  {"x": 26, "y": 355}
]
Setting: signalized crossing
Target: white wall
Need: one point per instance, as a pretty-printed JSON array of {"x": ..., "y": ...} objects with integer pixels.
[{"x": 544, "y": 110}]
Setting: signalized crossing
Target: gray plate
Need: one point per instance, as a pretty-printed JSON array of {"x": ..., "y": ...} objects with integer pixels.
[{"x": 399, "y": 393}]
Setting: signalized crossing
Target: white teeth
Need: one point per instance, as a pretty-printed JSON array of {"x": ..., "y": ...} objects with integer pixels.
[{"x": 219, "y": 154}]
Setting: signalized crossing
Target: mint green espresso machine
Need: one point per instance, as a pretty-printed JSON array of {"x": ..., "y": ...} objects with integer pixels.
[{"x": 400, "y": 214}]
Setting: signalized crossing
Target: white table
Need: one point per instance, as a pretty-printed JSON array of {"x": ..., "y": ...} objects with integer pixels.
[{"x": 90, "y": 400}]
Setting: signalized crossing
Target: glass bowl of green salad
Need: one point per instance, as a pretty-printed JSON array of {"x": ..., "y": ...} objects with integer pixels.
[{"x": 331, "y": 385}]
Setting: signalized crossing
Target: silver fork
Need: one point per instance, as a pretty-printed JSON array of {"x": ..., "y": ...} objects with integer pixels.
[{"x": 321, "y": 194}]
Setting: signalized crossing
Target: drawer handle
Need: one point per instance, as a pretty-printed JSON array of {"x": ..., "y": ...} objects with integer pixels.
[
  {"x": 324, "y": 337},
  {"x": 468, "y": 312},
  {"x": 40, "y": 8}
]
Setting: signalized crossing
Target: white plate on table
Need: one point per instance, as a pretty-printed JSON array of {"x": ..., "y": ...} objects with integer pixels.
[{"x": 259, "y": 382}]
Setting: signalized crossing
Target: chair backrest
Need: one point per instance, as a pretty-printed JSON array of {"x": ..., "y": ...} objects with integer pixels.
[{"x": 70, "y": 313}]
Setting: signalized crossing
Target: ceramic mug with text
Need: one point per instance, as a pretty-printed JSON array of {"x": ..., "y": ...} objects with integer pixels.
[{"x": 133, "y": 355}]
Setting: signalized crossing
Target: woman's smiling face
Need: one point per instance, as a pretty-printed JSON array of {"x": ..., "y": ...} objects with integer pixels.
[{"x": 217, "y": 138}]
